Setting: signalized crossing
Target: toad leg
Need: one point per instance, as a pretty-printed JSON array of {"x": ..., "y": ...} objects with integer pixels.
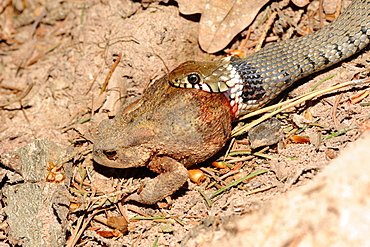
[{"x": 172, "y": 176}]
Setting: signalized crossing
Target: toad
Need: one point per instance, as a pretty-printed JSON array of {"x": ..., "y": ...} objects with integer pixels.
[{"x": 167, "y": 130}]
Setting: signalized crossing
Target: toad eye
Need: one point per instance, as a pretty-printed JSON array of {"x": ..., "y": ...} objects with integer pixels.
[
  {"x": 193, "y": 78},
  {"x": 110, "y": 154}
]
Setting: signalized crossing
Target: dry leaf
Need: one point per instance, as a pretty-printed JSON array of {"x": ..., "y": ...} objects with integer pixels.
[
  {"x": 56, "y": 174},
  {"x": 330, "y": 153},
  {"x": 196, "y": 175},
  {"x": 357, "y": 98},
  {"x": 220, "y": 165},
  {"x": 119, "y": 223},
  {"x": 109, "y": 234},
  {"x": 299, "y": 139},
  {"x": 236, "y": 53},
  {"x": 222, "y": 20},
  {"x": 364, "y": 126}
]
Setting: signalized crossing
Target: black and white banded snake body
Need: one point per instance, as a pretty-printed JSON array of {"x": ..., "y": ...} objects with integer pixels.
[{"x": 254, "y": 81}]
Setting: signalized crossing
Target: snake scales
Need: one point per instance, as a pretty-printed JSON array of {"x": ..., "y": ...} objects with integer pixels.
[{"x": 254, "y": 81}]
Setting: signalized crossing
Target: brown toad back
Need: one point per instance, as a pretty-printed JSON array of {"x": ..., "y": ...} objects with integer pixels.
[{"x": 167, "y": 130}]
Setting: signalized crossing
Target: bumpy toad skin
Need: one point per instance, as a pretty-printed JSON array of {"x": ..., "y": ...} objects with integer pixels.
[{"x": 167, "y": 130}]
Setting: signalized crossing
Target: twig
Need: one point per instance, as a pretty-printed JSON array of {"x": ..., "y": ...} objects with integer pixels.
[
  {"x": 164, "y": 63},
  {"x": 229, "y": 174},
  {"x": 138, "y": 211},
  {"x": 260, "y": 189},
  {"x": 10, "y": 87},
  {"x": 208, "y": 201},
  {"x": 75, "y": 237},
  {"x": 334, "y": 111},
  {"x": 234, "y": 160},
  {"x": 42, "y": 53},
  {"x": 237, "y": 182},
  {"x": 245, "y": 40},
  {"x": 289, "y": 20},
  {"x": 93, "y": 79},
  {"x": 289, "y": 103},
  {"x": 229, "y": 148},
  {"x": 36, "y": 23},
  {"x": 109, "y": 75},
  {"x": 212, "y": 174},
  {"x": 267, "y": 27},
  {"x": 24, "y": 94},
  {"x": 268, "y": 39},
  {"x": 321, "y": 14}
]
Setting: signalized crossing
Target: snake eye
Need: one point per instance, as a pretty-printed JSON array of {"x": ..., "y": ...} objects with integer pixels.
[{"x": 193, "y": 78}]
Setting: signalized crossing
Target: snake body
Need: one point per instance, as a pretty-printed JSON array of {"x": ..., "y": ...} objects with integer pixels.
[{"x": 254, "y": 81}]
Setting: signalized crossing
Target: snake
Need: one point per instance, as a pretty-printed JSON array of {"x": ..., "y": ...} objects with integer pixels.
[{"x": 253, "y": 81}]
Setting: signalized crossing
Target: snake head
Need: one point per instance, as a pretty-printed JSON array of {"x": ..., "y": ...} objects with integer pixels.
[{"x": 210, "y": 76}]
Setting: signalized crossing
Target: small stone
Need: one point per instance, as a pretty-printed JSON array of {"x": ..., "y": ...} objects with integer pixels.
[{"x": 266, "y": 133}]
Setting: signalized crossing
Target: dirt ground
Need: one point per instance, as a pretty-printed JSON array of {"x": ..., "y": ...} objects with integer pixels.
[{"x": 63, "y": 51}]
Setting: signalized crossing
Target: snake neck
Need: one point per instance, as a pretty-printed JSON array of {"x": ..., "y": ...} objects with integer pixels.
[{"x": 254, "y": 81}]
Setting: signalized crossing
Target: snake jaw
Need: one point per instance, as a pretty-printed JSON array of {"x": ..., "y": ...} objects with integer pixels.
[{"x": 216, "y": 76}]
